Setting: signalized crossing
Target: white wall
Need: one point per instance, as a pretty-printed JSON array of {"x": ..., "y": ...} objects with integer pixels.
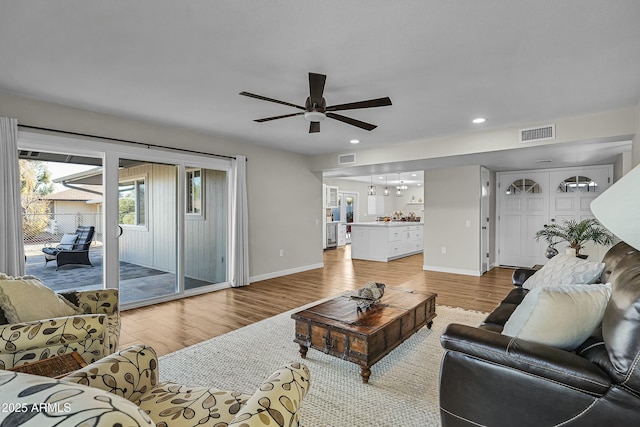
[
  {"x": 452, "y": 197},
  {"x": 284, "y": 196},
  {"x": 636, "y": 138},
  {"x": 611, "y": 125}
]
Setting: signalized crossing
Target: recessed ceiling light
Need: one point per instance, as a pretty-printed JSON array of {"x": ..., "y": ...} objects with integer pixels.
[
  {"x": 479, "y": 120},
  {"x": 414, "y": 174},
  {"x": 355, "y": 141}
]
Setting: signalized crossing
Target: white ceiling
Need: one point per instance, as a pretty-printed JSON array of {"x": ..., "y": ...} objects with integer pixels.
[{"x": 442, "y": 63}]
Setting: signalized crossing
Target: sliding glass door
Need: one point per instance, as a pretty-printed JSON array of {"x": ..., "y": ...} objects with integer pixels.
[
  {"x": 54, "y": 210},
  {"x": 147, "y": 218},
  {"x": 205, "y": 227},
  {"x": 161, "y": 223}
]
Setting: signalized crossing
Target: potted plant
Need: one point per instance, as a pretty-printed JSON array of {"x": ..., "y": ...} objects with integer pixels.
[{"x": 576, "y": 233}]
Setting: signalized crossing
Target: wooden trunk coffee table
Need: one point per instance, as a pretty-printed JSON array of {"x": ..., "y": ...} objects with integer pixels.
[
  {"x": 54, "y": 367},
  {"x": 336, "y": 328}
]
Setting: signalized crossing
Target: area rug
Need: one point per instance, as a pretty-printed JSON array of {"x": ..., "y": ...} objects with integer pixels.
[{"x": 402, "y": 389}]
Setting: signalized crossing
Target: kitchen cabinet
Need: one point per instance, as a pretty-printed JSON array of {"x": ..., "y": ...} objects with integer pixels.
[
  {"x": 385, "y": 241},
  {"x": 331, "y": 198},
  {"x": 342, "y": 234},
  {"x": 332, "y": 235}
]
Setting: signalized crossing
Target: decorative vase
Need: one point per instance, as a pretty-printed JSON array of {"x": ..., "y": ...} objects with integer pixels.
[{"x": 550, "y": 252}]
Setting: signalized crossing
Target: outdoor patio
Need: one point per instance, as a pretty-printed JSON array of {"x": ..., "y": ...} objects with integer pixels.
[{"x": 137, "y": 282}]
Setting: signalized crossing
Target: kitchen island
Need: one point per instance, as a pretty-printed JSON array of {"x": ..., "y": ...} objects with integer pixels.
[{"x": 385, "y": 241}]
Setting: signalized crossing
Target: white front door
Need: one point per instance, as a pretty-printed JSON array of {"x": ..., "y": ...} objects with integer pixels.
[
  {"x": 572, "y": 191},
  {"x": 529, "y": 200},
  {"x": 524, "y": 206}
]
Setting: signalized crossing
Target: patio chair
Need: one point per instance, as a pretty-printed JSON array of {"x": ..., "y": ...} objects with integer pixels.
[{"x": 72, "y": 249}]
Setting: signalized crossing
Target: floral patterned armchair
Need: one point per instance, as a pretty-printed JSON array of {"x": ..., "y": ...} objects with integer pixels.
[
  {"x": 125, "y": 384},
  {"x": 93, "y": 334}
]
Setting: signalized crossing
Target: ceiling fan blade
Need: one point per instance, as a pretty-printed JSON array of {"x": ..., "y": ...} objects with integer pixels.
[
  {"x": 353, "y": 122},
  {"x": 379, "y": 102},
  {"x": 267, "y": 119},
  {"x": 316, "y": 87},
  {"x": 264, "y": 98},
  {"x": 314, "y": 127}
]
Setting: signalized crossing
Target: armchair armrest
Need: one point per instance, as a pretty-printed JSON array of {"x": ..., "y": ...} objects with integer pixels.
[
  {"x": 25, "y": 342},
  {"x": 557, "y": 366},
  {"x": 520, "y": 275},
  {"x": 278, "y": 398},
  {"x": 129, "y": 373},
  {"x": 102, "y": 301}
]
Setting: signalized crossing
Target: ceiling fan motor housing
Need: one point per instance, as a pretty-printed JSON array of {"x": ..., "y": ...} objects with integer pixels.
[
  {"x": 315, "y": 112},
  {"x": 315, "y": 107}
]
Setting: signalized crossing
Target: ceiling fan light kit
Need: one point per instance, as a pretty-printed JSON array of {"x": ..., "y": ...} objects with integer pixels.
[
  {"x": 386, "y": 191},
  {"x": 315, "y": 107},
  {"x": 314, "y": 116}
]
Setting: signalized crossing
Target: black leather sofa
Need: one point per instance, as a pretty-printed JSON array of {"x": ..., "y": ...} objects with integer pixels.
[{"x": 489, "y": 379}]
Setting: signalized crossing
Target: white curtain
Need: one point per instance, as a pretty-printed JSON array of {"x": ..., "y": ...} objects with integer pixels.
[
  {"x": 239, "y": 256},
  {"x": 11, "y": 241}
]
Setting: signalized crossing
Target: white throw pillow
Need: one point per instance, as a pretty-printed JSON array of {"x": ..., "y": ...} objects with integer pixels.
[
  {"x": 564, "y": 270},
  {"x": 559, "y": 316},
  {"x": 24, "y": 299},
  {"x": 67, "y": 241}
]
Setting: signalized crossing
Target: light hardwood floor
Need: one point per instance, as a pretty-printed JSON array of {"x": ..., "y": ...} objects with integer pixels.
[{"x": 173, "y": 325}]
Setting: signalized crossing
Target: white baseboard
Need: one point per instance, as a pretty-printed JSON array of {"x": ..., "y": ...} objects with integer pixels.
[
  {"x": 451, "y": 270},
  {"x": 285, "y": 272}
]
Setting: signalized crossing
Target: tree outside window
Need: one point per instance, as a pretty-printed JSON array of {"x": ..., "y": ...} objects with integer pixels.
[
  {"x": 194, "y": 192},
  {"x": 131, "y": 200}
]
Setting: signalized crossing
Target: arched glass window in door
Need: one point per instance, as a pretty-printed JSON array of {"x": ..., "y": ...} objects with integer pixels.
[
  {"x": 577, "y": 183},
  {"x": 524, "y": 185}
]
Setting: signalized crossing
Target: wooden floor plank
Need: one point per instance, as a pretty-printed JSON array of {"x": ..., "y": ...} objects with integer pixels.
[{"x": 173, "y": 325}]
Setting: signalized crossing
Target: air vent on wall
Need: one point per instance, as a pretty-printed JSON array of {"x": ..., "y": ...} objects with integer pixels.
[
  {"x": 347, "y": 159},
  {"x": 24, "y": 153},
  {"x": 538, "y": 133}
]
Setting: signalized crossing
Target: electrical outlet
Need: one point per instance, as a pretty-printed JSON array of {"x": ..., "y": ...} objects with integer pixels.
[
  {"x": 443, "y": 250},
  {"x": 281, "y": 252}
]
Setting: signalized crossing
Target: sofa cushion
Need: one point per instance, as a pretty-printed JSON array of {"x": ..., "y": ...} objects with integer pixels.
[
  {"x": 23, "y": 299},
  {"x": 40, "y": 401},
  {"x": 498, "y": 317},
  {"x": 564, "y": 270},
  {"x": 67, "y": 241},
  {"x": 621, "y": 322},
  {"x": 199, "y": 405},
  {"x": 559, "y": 316}
]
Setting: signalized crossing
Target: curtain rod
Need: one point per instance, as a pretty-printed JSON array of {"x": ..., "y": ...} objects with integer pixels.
[{"x": 125, "y": 141}]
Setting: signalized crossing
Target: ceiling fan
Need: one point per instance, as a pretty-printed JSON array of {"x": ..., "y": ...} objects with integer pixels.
[{"x": 315, "y": 107}]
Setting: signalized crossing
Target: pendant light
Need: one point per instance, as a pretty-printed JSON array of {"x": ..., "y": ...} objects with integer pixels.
[
  {"x": 399, "y": 188},
  {"x": 371, "y": 190},
  {"x": 386, "y": 191}
]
